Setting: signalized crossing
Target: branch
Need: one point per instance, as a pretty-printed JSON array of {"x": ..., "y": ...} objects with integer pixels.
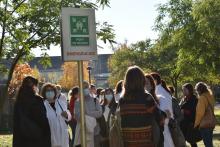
[
  {"x": 41, "y": 39},
  {"x": 19, "y": 4},
  {"x": 36, "y": 31},
  {"x": 14, "y": 62},
  {"x": 3, "y": 29}
]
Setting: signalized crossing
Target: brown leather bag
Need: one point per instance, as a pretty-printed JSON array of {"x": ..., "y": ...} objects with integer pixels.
[{"x": 209, "y": 119}]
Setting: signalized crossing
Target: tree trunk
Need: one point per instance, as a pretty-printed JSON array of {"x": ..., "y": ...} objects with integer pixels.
[
  {"x": 175, "y": 85},
  {"x": 3, "y": 29},
  {"x": 10, "y": 74}
]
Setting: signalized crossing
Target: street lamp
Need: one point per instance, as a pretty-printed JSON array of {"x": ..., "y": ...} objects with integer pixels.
[{"x": 89, "y": 68}]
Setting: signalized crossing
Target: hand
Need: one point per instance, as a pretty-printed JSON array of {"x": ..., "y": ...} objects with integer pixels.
[{"x": 64, "y": 114}]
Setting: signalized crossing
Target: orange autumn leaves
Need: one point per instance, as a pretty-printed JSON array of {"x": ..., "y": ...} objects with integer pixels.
[
  {"x": 70, "y": 74},
  {"x": 20, "y": 72}
]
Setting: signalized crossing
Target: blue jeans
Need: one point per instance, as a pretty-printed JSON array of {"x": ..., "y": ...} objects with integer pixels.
[{"x": 207, "y": 135}]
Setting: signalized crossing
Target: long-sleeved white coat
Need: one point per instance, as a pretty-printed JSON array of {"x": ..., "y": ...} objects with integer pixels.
[
  {"x": 165, "y": 100},
  {"x": 58, "y": 126}
]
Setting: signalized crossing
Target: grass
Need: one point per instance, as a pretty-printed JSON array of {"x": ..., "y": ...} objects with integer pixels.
[{"x": 6, "y": 140}]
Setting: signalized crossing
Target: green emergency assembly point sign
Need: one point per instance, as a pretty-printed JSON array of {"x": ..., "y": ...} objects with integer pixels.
[
  {"x": 79, "y": 30},
  {"x": 79, "y": 25},
  {"x": 78, "y": 34}
]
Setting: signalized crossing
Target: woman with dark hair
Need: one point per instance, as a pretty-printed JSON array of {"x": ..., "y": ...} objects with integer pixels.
[
  {"x": 159, "y": 114},
  {"x": 165, "y": 100},
  {"x": 119, "y": 87},
  {"x": 205, "y": 100},
  {"x": 164, "y": 85},
  {"x": 188, "y": 108},
  {"x": 151, "y": 87},
  {"x": 99, "y": 92},
  {"x": 107, "y": 101},
  {"x": 137, "y": 111},
  {"x": 31, "y": 126},
  {"x": 57, "y": 115}
]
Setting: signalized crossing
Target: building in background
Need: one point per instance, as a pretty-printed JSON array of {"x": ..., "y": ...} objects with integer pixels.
[
  {"x": 100, "y": 71},
  {"x": 51, "y": 73}
]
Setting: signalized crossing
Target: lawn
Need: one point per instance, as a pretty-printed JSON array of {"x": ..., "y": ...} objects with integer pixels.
[{"x": 6, "y": 140}]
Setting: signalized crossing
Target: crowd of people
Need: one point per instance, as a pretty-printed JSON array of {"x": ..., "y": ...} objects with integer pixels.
[{"x": 140, "y": 111}]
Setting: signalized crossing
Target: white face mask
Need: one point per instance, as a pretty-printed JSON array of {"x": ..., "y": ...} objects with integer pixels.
[
  {"x": 50, "y": 95},
  {"x": 86, "y": 92}
]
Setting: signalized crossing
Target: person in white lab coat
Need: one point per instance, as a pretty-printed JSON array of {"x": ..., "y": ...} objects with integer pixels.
[
  {"x": 57, "y": 115},
  {"x": 165, "y": 101}
]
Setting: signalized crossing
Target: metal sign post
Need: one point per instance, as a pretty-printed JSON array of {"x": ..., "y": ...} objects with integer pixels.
[
  {"x": 79, "y": 44},
  {"x": 82, "y": 104}
]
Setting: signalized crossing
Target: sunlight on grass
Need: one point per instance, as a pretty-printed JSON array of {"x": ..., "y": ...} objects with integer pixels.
[{"x": 6, "y": 140}]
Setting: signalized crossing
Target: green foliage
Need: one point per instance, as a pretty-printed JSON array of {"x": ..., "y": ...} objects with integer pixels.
[
  {"x": 35, "y": 24},
  {"x": 187, "y": 49},
  {"x": 127, "y": 56},
  {"x": 106, "y": 33}
]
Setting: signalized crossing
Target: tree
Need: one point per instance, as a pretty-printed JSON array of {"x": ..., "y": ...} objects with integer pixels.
[
  {"x": 31, "y": 24},
  {"x": 20, "y": 72},
  {"x": 187, "y": 49},
  {"x": 188, "y": 31},
  {"x": 125, "y": 56},
  {"x": 70, "y": 74}
]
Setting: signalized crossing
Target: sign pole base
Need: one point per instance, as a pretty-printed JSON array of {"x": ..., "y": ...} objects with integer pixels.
[{"x": 82, "y": 105}]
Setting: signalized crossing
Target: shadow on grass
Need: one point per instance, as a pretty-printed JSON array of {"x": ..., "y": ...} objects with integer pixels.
[{"x": 6, "y": 132}]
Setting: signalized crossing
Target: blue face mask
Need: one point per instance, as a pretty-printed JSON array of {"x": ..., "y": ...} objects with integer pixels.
[
  {"x": 109, "y": 97},
  {"x": 50, "y": 95},
  {"x": 86, "y": 92}
]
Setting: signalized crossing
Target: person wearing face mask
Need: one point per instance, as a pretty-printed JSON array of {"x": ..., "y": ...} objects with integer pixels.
[
  {"x": 108, "y": 103},
  {"x": 60, "y": 95},
  {"x": 159, "y": 114},
  {"x": 92, "y": 112},
  {"x": 109, "y": 106},
  {"x": 30, "y": 127},
  {"x": 57, "y": 115}
]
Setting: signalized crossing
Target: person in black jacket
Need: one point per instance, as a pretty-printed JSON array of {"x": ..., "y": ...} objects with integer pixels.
[
  {"x": 31, "y": 127},
  {"x": 188, "y": 108}
]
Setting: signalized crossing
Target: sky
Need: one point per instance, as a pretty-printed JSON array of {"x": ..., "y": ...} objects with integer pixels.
[{"x": 133, "y": 21}]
